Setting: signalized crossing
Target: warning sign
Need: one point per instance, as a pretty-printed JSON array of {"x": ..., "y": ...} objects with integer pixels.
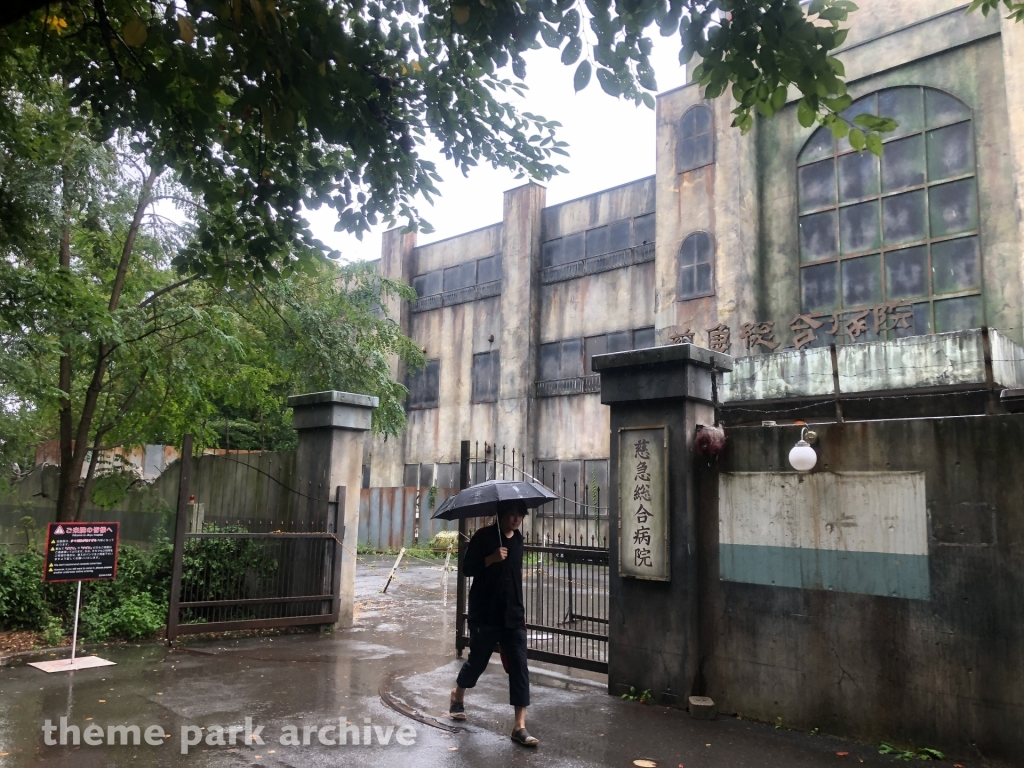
[{"x": 81, "y": 551}]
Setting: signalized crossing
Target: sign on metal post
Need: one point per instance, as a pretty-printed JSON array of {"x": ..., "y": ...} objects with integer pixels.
[
  {"x": 643, "y": 503},
  {"x": 79, "y": 552}
]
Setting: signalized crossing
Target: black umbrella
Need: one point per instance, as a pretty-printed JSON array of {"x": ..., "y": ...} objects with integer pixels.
[{"x": 482, "y": 500}]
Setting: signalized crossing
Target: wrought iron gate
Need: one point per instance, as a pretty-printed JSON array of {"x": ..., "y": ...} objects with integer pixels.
[
  {"x": 565, "y": 565},
  {"x": 272, "y": 567}
]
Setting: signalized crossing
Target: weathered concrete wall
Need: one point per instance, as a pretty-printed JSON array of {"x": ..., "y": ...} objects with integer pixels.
[
  {"x": 720, "y": 199},
  {"x": 621, "y": 202},
  {"x": 618, "y": 300},
  {"x": 914, "y": 363},
  {"x": 450, "y": 334},
  {"x": 576, "y": 426},
  {"x": 453, "y": 335},
  {"x": 937, "y": 668},
  {"x": 1012, "y": 40},
  {"x": 520, "y": 308},
  {"x": 385, "y": 457}
]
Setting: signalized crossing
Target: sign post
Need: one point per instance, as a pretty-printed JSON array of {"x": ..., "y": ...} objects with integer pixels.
[{"x": 79, "y": 552}]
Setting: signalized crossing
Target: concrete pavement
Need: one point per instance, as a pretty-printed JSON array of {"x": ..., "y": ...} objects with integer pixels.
[{"x": 309, "y": 685}]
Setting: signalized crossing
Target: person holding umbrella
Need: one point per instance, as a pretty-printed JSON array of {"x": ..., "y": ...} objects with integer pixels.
[{"x": 494, "y": 560}]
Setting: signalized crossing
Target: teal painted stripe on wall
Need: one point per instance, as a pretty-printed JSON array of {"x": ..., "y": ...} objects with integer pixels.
[{"x": 868, "y": 573}]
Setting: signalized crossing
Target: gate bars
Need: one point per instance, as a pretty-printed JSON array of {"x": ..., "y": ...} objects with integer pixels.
[
  {"x": 565, "y": 568},
  {"x": 232, "y": 573}
]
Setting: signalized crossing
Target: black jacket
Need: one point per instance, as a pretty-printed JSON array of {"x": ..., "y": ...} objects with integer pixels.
[{"x": 496, "y": 597}]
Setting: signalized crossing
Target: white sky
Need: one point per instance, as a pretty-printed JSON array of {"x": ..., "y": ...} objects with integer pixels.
[{"x": 611, "y": 142}]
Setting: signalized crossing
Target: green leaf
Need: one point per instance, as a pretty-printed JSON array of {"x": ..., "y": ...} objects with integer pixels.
[
  {"x": 857, "y": 139},
  {"x": 609, "y": 83},
  {"x": 582, "y": 77},
  {"x": 572, "y": 50},
  {"x": 839, "y": 128},
  {"x": 779, "y": 97},
  {"x": 552, "y": 37},
  {"x": 874, "y": 144},
  {"x": 804, "y": 114}
]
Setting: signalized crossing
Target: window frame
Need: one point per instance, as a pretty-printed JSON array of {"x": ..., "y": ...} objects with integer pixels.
[
  {"x": 683, "y": 139},
  {"x": 924, "y": 305},
  {"x": 679, "y": 267}
]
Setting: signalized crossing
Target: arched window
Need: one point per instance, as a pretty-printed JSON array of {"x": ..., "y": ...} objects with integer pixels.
[
  {"x": 900, "y": 230},
  {"x": 696, "y": 267},
  {"x": 696, "y": 146}
]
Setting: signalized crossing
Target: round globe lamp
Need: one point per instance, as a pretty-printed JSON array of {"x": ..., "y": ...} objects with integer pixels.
[{"x": 802, "y": 456}]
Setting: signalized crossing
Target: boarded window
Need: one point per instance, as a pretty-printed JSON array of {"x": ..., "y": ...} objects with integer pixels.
[
  {"x": 429, "y": 284},
  {"x": 593, "y": 345},
  {"x": 696, "y": 267},
  {"x": 486, "y": 372},
  {"x": 488, "y": 270},
  {"x": 561, "y": 359},
  {"x": 460, "y": 276},
  {"x": 424, "y": 386},
  {"x": 904, "y": 227},
  {"x": 696, "y": 145},
  {"x": 643, "y": 229},
  {"x": 643, "y": 338},
  {"x": 620, "y": 341},
  {"x": 411, "y": 476}
]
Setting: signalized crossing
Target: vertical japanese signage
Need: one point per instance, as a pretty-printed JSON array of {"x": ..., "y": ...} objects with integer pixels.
[
  {"x": 643, "y": 503},
  {"x": 80, "y": 551}
]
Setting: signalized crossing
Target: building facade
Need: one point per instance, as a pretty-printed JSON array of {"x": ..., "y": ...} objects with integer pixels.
[{"x": 773, "y": 246}]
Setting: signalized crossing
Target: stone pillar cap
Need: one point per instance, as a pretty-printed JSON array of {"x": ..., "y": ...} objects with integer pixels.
[
  {"x": 342, "y": 398},
  {"x": 670, "y": 353}
]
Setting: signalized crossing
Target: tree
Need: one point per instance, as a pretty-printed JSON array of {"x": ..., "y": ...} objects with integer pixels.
[
  {"x": 100, "y": 334},
  {"x": 263, "y": 107}
]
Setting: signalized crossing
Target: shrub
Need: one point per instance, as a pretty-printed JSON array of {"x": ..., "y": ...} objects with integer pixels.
[
  {"x": 135, "y": 604},
  {"x": 22, "y": 605}
]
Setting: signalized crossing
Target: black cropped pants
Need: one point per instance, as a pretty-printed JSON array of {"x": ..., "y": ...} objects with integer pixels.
[{"x": 481, "y": 646}]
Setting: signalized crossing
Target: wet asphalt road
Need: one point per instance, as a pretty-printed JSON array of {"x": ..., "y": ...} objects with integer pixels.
[{"x": 292, "y": 683}]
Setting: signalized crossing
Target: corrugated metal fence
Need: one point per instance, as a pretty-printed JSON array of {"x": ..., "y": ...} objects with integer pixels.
[{"x": 387, "y": 516}]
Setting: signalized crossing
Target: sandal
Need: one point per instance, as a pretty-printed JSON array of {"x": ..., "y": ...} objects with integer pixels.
[
  {"x": 456, "y": 710},
  {"x": 523, "y": 737}
]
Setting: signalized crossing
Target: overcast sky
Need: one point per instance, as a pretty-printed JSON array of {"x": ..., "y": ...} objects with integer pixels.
[{"x": 611, "y": 141}]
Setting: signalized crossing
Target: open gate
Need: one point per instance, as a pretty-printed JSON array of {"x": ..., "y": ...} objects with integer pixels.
[
  {"x": 270, "y": 559},
  {"x": 565, "y": 566}
]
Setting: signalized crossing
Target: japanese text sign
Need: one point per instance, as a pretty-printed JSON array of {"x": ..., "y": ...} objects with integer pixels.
[
  {"x": 81, "y": 551},
  {"x": 643, "y": 503}
]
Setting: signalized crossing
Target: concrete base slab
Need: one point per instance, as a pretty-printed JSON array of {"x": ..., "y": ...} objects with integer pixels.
[{"x": 69, "y": 665}]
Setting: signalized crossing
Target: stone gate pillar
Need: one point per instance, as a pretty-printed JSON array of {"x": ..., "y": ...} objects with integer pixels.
[
  {"x": 332, "y": 427},
  {"x": 657, "y": 395}
]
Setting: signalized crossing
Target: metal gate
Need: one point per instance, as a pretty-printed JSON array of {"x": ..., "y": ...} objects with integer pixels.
[
  {"x": 242, "y": 565},
  {"x": 565, "y": 564}
]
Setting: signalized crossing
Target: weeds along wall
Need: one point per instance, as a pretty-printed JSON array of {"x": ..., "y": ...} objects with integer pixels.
[{"x": 879, "y": 596}]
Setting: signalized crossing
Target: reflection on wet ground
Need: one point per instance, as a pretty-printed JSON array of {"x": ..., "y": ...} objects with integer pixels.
[{"x": 314, "y": 688}]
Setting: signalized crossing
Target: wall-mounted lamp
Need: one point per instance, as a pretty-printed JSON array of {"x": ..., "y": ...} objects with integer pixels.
[{"x": 802, "y": 456}]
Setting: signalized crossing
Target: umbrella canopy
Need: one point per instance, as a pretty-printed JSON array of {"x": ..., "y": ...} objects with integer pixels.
[{"x": 482, "y": 500}]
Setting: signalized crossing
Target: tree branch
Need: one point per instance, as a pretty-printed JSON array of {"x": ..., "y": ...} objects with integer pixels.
[
  {"x": 166, "y": 290},
  {"x": 129, "y": 243}
]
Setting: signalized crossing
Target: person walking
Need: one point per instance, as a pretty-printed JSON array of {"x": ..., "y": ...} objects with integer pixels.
[{"x": 494, "y": 560}]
